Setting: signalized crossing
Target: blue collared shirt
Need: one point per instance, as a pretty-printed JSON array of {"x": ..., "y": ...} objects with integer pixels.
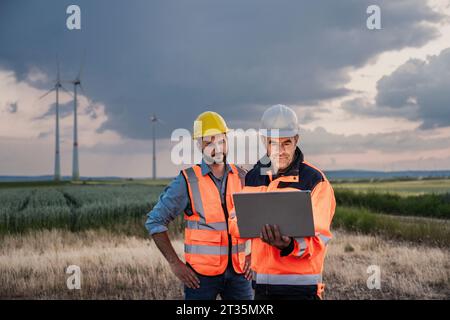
[{"x": 175, "y": 199}]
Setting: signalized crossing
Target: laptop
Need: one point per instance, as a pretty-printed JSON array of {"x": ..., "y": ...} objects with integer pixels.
[{"x": 290, "y": 210}]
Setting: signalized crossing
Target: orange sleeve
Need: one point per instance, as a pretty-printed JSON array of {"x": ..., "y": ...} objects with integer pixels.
[{"x": 323, "y": 205}]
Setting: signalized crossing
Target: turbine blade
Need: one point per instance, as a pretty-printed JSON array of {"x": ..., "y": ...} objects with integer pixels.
[
  {"x": 82, "y": 90},
  {"x": 57, "y": 69},
  {"x": 45, "y": 94},
  {"x": 67, "y": 91},
  {"x": 81, "y": 65}
]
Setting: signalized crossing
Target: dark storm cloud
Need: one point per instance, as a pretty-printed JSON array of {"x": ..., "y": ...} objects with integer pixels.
[
  {"x": 318, "y": 141},
  {"x": 421, "y": 88},
  {"x": 65, "y": 110},
  {"x": 321, "y": 141},
  {"x": 178, "y": 58},
  {"x": 417, "y": 90}
]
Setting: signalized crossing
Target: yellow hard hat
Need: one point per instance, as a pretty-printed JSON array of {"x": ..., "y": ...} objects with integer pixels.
[{"x": 209, "y": 123}]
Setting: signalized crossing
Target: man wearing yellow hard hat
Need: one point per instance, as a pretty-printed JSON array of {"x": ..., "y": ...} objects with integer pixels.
[{"x": 216, "y": 263}]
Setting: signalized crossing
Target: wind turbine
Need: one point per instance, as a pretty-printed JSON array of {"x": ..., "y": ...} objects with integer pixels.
[
  {"x": 57, "y": 86},
  {"x": 76, "y": 82},
  {"x": 154, "y": 121}
]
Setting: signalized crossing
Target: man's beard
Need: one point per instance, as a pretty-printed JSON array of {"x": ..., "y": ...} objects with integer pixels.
[
  {"x": 217, "y": 159},
  {"x": 276, "y": 163}
]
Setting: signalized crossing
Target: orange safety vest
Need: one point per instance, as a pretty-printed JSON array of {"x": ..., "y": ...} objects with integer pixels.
[
  {"x": 304, "y": 265},
  {"x": 206, "y": 244}
]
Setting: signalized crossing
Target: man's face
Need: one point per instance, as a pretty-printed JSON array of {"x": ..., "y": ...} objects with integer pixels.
[
  {"x": 281, "y": 151},
  {"x": 214, "y": 148}
]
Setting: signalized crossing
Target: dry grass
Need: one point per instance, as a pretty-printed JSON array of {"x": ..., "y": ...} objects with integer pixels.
[
  {"x": 113, "y": 266},
  {"x": 121, "y": 267},
  {"x": 408, "y": 271}
]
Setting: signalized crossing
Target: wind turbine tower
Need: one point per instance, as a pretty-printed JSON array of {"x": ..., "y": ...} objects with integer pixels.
[
  {"x": 154, "y": 121},
  {"x": 75, "y": 164},
  {"x": 56, "y": 88}
]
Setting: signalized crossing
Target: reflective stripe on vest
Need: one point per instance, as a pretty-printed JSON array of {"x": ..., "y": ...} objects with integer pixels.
[
  {"x": 237, "y": 248},
  {"x": 217, "y": 250},
  {"x": 325, "y": 239},
  {"x": 218, "y": 226},
  {"x": 195, "y": 189},
  {"x": 288, "y": 279},
  {"x": 302, "y": 244}
]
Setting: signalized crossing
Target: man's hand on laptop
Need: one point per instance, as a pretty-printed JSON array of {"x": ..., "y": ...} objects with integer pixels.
[{"x": 272, "y": 235}]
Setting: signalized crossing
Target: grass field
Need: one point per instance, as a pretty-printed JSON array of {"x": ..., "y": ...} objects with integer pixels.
[
  {"x": 413, "y": 229},
  {"x": 402, "y": 226},
  {"x": 422, "y": 205},
  {"x": 74, "y": 207},
  {"x": 401, "y": 187}
]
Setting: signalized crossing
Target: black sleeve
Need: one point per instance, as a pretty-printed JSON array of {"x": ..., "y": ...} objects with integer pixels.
[{"x": 286, "y": 251}]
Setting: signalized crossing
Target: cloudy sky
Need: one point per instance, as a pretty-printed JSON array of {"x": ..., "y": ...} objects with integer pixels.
[{"x": 366, "y": 99}]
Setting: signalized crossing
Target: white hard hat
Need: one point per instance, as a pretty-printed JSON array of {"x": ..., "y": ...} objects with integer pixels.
[{"x": 279, "y": 121}]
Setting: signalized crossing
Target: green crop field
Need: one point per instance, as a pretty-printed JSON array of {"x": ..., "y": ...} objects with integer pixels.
[
  {"x": 401, "y": 187},
  {"x": 410, "y": 210},
  {"x": 74, "y": 206},
  {"x": 429, "y": 231},
  {"x": 384, "y": 208},
  {"x": 434, "y": 205}
]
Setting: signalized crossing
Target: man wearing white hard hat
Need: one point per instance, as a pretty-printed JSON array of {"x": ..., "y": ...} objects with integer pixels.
[{"x": 286, "y": 267}]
